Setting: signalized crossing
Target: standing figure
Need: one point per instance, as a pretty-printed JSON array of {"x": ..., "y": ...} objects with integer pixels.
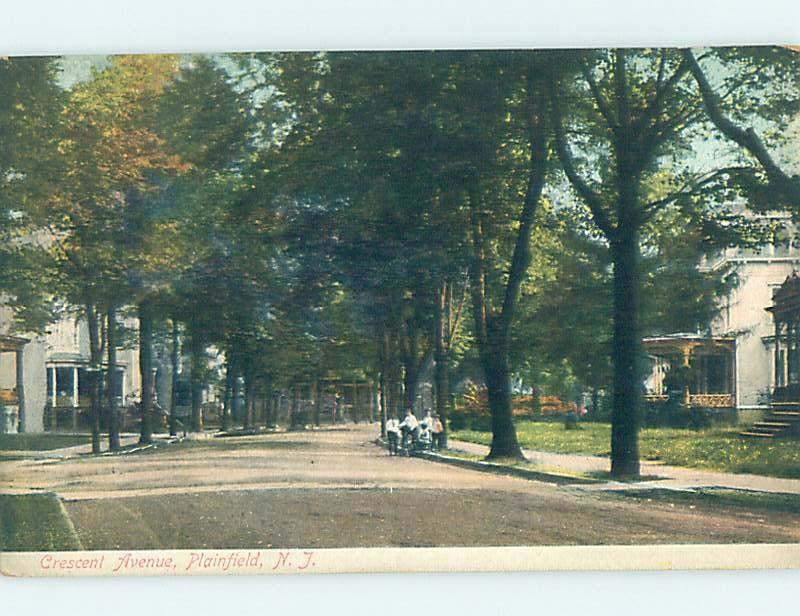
[
  {"x": 393, "y": 434},
  {"x": 410, "y": 428},
  {"x": 438, "y": 429}
]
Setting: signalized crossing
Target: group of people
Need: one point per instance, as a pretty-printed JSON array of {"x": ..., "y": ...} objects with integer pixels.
[{"x": 410, "y": 431}]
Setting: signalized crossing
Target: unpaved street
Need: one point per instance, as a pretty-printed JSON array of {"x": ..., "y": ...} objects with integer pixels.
[{"x": 334, "y": 488}]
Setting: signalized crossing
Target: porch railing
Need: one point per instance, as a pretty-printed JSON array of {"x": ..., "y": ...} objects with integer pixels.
[{"x": 714, "y": 401}]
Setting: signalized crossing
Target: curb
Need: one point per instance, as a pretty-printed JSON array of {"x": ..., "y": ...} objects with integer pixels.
[{"x": 498, "y": 469}]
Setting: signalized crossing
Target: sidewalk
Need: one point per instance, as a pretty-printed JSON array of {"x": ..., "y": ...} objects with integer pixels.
[{"x": 656, "y": 475}]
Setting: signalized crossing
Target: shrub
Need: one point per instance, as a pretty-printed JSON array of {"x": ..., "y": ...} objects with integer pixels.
[
  {"x": 458, "y": 421},
  {"x": 480, "y": 423}
]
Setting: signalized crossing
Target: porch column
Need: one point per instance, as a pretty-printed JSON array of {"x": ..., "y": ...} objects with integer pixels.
[
  {"x": 53, "y": 384},
  {"x": 796, "y": 344},
  {"x": 355, "y": 403},
  {"x": 791, "y": 348},
  {"x": 687, "y": 395},
  {"x": 371, "y": 392},
  {"x": 20, "y": 392},
  {"x": 75, "y": 386},
  {"x": 789, "y": 353},
  {"x": 778, "y": 362}
]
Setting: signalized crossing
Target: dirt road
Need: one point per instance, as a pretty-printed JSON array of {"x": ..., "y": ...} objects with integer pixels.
[{"x": 337, "y": 489}]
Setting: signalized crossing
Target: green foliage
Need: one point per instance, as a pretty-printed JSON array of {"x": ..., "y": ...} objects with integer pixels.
[{"x": 30, "y": 102}]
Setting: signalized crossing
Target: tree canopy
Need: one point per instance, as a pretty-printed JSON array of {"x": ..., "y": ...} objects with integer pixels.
[{"x": 396, "y": 215}]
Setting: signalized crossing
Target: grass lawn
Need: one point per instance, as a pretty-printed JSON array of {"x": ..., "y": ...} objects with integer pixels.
[
  {"x": 34, "y": 522},
  {"x": 41, "y": 441},
  {"x": 716, "y": 449}
]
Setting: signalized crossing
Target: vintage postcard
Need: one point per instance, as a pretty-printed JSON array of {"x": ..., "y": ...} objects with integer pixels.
[{"x": 307, "y": 312}]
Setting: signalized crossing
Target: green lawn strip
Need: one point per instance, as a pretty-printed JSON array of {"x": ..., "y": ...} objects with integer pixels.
[
  {"x": 718, "y": 497},
  {"x": 35, "y": 522},
  {"x": 718, "y": 449},
  {"x": 41, "y": 442}
]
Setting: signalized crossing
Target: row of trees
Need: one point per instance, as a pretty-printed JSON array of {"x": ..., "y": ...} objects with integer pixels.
[{"x": 302, "y": 212}]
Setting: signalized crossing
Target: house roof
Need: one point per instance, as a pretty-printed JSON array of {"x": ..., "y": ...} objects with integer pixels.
[
  {"x": 678, "y": 342},
  {"x": 12, "y": 343},
  {"x": 786, "y": 298}
]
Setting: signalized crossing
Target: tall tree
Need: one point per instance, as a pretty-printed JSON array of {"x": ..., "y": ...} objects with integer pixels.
[
  {"x": 30, "y": 166},
  {"x": 112, "y": 152},
  {"x": 631, "y": 114}
]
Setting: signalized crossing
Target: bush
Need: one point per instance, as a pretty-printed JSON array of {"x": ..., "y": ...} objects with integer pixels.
[
  {"x": 478, "y": 422},
  {"x": 481, "y": 423},
  {"x": 673, "y": 415},
  {"x": 458, "y": 422}
]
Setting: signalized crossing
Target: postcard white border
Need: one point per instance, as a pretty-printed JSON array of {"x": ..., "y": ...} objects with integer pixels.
[{"x": 399, "y": 560}]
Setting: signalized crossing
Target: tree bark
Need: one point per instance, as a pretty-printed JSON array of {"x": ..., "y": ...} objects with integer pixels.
[
  {"x": 113, "y": 380},
  {"x": 383, "y": 381},
  {"x": 293, "y": 409},
  {"x": 317, "y": 402},
  {"x": 536, "y": 399},
  {"x": 248, "y": 399},
  {"x": 146, "y": 372},
  {"x": 236, "y": 394},
  {"x": 268, "y": 402},
  {"x": 498, "y": 388},
  {"x": 411, "y": 367},
  {"x": 226, "y": 398},
  {"x": 493, "y": 355},
  {"x": 96, "y": 360},
  {"x": 441, "y": 365},
  {"x": 492, "y": 324},
  {"x": 625, "y": 356},
  {"x": 595, "y": 401},
  {"x": 174, "y": 360},
  {"x": 355, "y": 403},
  {"x": 198, "y": 360}
]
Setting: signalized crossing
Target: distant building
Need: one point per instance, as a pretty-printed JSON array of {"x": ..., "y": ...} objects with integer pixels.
[
  {"x": 733, "y": 367},
  {"x": 51, "y": 373}
]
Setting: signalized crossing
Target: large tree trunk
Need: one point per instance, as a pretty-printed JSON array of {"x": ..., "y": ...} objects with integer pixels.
[
  {"x": 198, "y": 367},
  {"x": 441, "y": 367},
  {"x": 113, "y": 379},
  {"x": 410, "y": 370},
  {"x": 95, "y": 387},
  {"x": 493, "y": 325},
  {"x": 493, "y": 353},
  {"x": 383, "y": 381},
  {"x": 235, "y": 395},
  {"x": 317, "y": 402},
  {"x": 271, "y": 412},
  {"x": 498, "y": 387},
  {"x": 248, "y": 393},
  {"x": 146, "y": 372},
  {"x": 625, "y": 355},
  {"x": 226, "y": 398},
  {"x": 394, "y": 378},
  {"x": 268, "y": 406},
  {"x": 293, "y": 417},
  {"x": 595, "y": 401},
  {"x": 249, "y": 399},
  {"x": 174, "y": 360},
  {"x": 536, "y": 399}
]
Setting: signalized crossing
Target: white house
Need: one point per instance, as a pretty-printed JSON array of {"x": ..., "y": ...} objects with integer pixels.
[
  {"x": 45, "y": 376},
  {"x": 734, "y": 366}
]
